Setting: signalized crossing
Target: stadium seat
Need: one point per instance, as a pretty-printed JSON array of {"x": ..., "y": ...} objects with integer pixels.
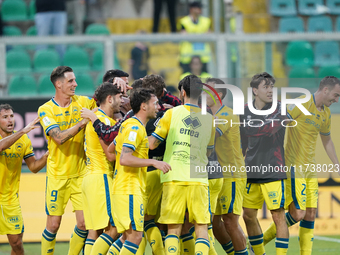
[
  {"x": 97, "y": 60},
  {"x": 31, "y": 9},
  {"x": 85, "y": 84},
  {"x": 99, "y": 79},
  {"x": 282, "y": 8},
  {"x": 12, "y": 31},
  {"x": 291, "y": 24},
  {"x": 13, "y": 10},
  {"x": 18, "y": 61},
  {"x": 327, "y": 54},
  {"x": 46, "y": 60},
  {"x": 299, "y": 53},
  {"x": 320, "y": 24},
  {"x": 45, "y": 86},
  {"x": 22, "y": 85},
  {"x": 337, "y": 24},
  {"x": 77, "y": 58},
  {"x": 302, "y": 77},
  {"x": 329, "y": 71},
  {"x": 333, "y": 6},
  {"x": 32, "y": 31},
  {"x": 97, "y": 29},
  {"x": 311, "y": 7}
]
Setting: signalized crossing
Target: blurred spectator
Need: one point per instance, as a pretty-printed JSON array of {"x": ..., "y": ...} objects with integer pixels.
[
  {"x": 157, "y": 10},
  {"x": 196, "y": 67},
  {"x": 51, "y": 19},
  {"x": 139, "y": 60},
  {"x": 194, "y": 23},
  {"x": 76, "y": 10}
]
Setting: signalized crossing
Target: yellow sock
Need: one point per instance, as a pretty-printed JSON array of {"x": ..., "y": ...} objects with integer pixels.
[
  {"x": 142, "y": 245},
  {"x": 281, "y": 245},
  {"x": 88, "y": 246},
  {"x": 229, "y": 248},
  {"x": 257, "y": 244},
  {"x": 115, "y": 247},
  {"x": 212, "y": 250},
  {"x": 77, "y": 241},
  {"x": 129, "y": 248},
  {"x": 102, "y": 244},
  {"x": 171, "y": 245},
  {"x": 154, "y": 237},
  {"x": 306, "y": 237},
  {"x": 188, "y": 244},
  {"x": 47, "y": 242},
  {"x": 202, "y": 246}
]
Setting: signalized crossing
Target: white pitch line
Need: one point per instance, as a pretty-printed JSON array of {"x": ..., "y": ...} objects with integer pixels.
[{"x": 335, "y": 240}]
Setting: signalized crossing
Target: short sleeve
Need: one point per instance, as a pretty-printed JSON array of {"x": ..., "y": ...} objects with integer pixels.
[
  {"x": 47, "y": 120},
  {"x": 132, "y": 136},
  {"x": 29, "y": 148},
  {"x": 223, "y": 127},
  {"x": 326, "y": 127},
  {"x": 163, "y": 127}
]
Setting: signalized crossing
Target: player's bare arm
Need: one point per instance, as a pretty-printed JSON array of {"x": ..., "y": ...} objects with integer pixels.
[
  {"x": 111, "y": 156},
  {"x": 329, "y": 148},
  {"x": 88, "y": 114},
  {"x": 35, "y": 165},
  {"x": 127, "y": 159},
  {"x": 153, "y": 142},
  {"x": 61, "y": 136},
  {"x": 9, "y": 140}
]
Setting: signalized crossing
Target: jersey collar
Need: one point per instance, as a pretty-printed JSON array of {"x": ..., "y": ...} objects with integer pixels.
[
  {"x": 194, "y": 105},
  {"x": 323, "y": 108},
  {"x": 220, "y": 109},
  {"x": 100, "y": 110},
  {"x": 55, "y": 102},
  {"x": 137, "y": 119}
]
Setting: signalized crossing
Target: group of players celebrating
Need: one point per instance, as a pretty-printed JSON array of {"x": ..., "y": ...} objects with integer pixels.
[{"x": 128, "y": 167}]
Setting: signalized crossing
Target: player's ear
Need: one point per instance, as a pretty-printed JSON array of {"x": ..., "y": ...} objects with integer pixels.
[{"x": 255, "y": 91}]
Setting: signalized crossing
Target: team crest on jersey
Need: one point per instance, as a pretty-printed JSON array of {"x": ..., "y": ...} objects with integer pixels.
[
  {"x": 199, "y": 253},
  {"x": 19, "y": 147},
  {"x": 172, "y": 249},
  {"x": 75, "y": 110},
  {"x": 53, "y": 207}
]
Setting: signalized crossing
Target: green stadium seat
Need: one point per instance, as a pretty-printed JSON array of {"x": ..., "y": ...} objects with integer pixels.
[
  {"x": 97, "y": 29},
  {"x": 13, "y": 10},
  {"x": 302, "y": 77},
  {"x": 46, "y": 60},
  {"x": 32, "y": 31},
  {"x": 99, "y": 79},
  {"x": 327, "y": 54},
  {"x": 18, "y": 61},
  {"x": 22, "y": 85},
  {"x": 45, "y": 86},
  {"x": 31, "y": 10},
  {"x": 333, "y": 6},
  {"x": 291, "y": 24},
  {"x": 283, "y": 8},
  {"x": 299, "y": 53},
  {"x": 85, "y": 84},
  {"x": 329, "y": 71},
  {"x": 12, "y": 31},
  {"x": 77, "y": 58},
  {"x": 310, "y": 7},
  {"x": 320, "y": 24},
  {"x": 98, "y": 61}
]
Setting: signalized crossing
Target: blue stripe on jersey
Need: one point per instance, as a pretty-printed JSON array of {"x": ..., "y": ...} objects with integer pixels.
[
  {"x": 231, "y": 206},
  {"x": 296, "y": 203},
  {"x": 129, "y": 146},
  {"x": 108, "y": 200},
  {"x": 46, "y": 210},
  {"x": 28, "y": 155},
  {"x": 157, "y": 136},
  {"x": 282, "y": 205},
  {"x": 51, "y": 127},
  {"x": 133, "y": 224},
  {"x": 219, "y": 131},
  {"x": 325, "y": 133}
]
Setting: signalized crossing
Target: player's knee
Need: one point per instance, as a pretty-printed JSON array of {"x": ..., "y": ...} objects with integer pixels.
[
  {"x": 231, "y": 222},
  {"x": 16, "y": 244},
  {"x": 81, "y": 225},
  {"x": 278, "y": 216},
  {"x": 298, "y": 215},
  {"x": 53, "y": 226},
  {"x": 248, "y": 218}
]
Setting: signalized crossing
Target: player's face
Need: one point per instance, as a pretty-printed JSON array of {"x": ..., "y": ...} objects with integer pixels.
[
  {"x": 68, "y": 84},
  {"x": 264, "y": 92},
  {"x": 7, "y": 121},
  {"x": 196, "y": 65},
  {"x": 117, "y": 102},
  {"x": 210, "y": 101},
  {"x": 332, "y": 96},
  {"x": 152, "y": 107}
]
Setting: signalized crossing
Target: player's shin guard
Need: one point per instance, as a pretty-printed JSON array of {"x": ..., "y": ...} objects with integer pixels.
[
  {"x": 171, "y": 245},
  {"x": 270, "y": 233},
  {"x": 306, "y": 237},
  {"x": 257, "y": 244},
  {"x": 115, "y": 248},
  {"x": 229, "y": 248},
  {"x": 129, "y": 248},
  {"x": 142, "y": 245},
  {"x": 154, "y": 237},
  {"x": 88, "y": 246},
  {"x": 188, "y": 244},
  {"x": 102, "y": 244},
  {"x": 202, "y": 246},
  {"x": 77, "y": 241},
  {"x": 47, "y": 242},
  {"x": 281, "y": 245},
  {"x": 243, "y": 252},
  {"x": 212, "y": 250}
]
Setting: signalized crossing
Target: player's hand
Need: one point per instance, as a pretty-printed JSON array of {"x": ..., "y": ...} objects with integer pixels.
[
  {"x": 46, "y": 154},
  {"x": 88, "y": 114},
  {"x": 125, "y": 107},
  {"x": 121, "y": 84},
  {"x": 168, "y": 106},
  {"x": 31, "y": 125},
  {"x": 161, "y": 165}
]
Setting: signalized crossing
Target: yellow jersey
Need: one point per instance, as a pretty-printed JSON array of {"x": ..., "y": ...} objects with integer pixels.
[
  {"x": 96, "y": 161},
  {"x": 301, "y": 139},
  {"x": 11, "y": 162},
  {"x": 66, "y": 160},
  {"x": 131, "y": 180},
  {"x": 228, "y": 145}
]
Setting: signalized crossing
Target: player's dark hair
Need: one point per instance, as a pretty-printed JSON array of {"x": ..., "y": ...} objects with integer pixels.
[
  {"x": 104, "y": 90},
  {"x": 111, "y": 74},
  {"x": 137, "y": 84},
  {"x": 329, "y": 81},
  {"x": 217, "y": 81},
  {"x": 192, "y": 86},
  {"x": 5, "y": 107},
  {"x": 59, "y": 72},
  {"x": 139, "y": 96},
  {"x": 156, "y": 82},
  {"x": 258, "y": 78}
]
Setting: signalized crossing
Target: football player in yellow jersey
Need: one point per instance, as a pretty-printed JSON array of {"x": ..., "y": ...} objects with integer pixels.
[
  {"x": 97, "y": 183},
  {"x": 131, "y": 148},
  {"x": 12, "y": 152},
  {"x": 302, "y": 185},
  {"x": 229, "y": 154}
]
